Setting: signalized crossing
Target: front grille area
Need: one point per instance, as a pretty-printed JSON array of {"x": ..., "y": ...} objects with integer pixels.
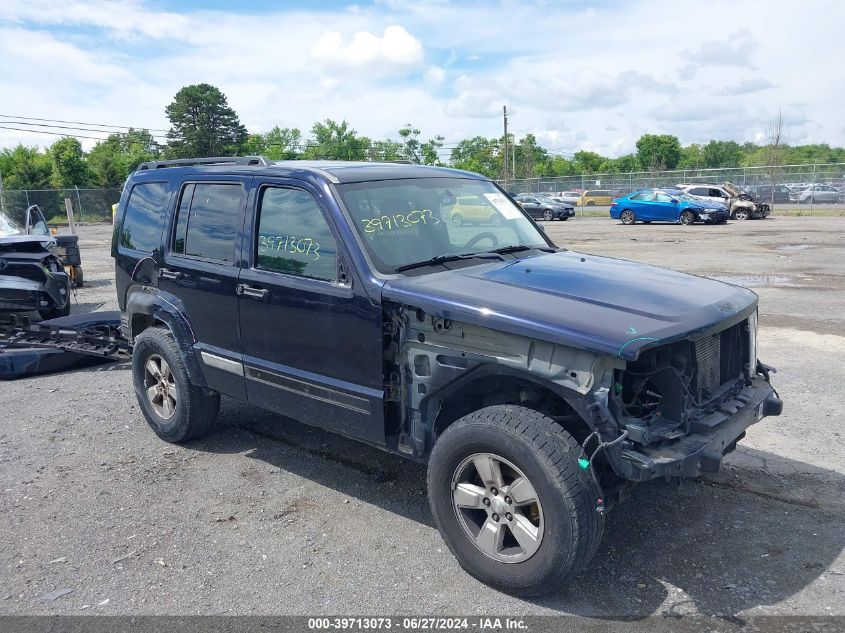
[
  {"x": 679, "y": 382},
  {"x": 708, "y": 371},
  {"x": 32, "y": 272}
]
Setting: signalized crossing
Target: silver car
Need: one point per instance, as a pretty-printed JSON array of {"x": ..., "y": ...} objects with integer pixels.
[{"x": 819, "y": 193}]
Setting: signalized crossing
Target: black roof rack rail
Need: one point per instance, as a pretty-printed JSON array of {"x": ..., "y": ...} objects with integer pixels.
[{"x": 216, "y": 160}]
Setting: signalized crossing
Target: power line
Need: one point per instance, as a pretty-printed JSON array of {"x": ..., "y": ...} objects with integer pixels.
[
  {"x": 81, "y": 129},
  {"x": 28, "y": 118},
  {"x": 19, "y": 129}
]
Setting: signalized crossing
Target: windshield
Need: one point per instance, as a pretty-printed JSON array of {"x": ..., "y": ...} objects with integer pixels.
[
  {"x": 8, "y": 227},
  {"x": 406, "y": 221}
]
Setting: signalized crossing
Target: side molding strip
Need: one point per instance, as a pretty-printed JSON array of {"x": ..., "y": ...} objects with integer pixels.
[
  {"x": 310, "y": 390},
  {"x": 223, "y": 364}
]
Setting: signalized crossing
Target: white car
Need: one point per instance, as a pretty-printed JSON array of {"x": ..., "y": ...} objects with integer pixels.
[
  {"x": 740, "y": 204},
  {"x": 569, "y": 197},
  {"x": 819, "y": 193}
]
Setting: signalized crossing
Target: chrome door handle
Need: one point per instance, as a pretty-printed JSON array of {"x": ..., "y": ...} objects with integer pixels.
[
  {"x": 250, "y": 291},
  {"x": 169, "y": 274}
]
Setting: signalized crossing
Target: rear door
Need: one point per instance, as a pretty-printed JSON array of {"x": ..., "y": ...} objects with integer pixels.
[
  {"x": 312, "y": 339},
  {"x": 200, "y": 269}
]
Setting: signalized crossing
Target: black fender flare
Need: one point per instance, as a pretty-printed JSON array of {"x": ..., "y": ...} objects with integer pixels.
[{"x": 148, "y": 307}]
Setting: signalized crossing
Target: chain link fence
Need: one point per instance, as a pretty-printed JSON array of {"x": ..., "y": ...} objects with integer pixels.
[
  {"x": 797, "y": 176},
  {"x": 89, "y": 205}
]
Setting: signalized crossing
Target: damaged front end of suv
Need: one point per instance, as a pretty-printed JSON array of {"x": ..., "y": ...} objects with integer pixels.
[
  {"x": 667, "y": 395},
  {"x": 32, "y": 278}
]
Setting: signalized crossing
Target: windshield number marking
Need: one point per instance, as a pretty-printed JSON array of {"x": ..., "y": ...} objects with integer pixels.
[{"x": 399, "y": 220}]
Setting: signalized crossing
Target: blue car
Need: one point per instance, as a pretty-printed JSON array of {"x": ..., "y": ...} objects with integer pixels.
[{"x": 666, "y": 205}]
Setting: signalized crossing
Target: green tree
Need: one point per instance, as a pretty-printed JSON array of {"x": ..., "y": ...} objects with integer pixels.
[
  {"x": 25, "y": 168},
  {"x": 386, "y": 150},
  {"x": 722, "y": 154},
  {"x": 69, "y": 168},
  {"x": 531, "y": 159},
  {"x": 416, "y": 151},
  {"x": 478, "y": 154},
  {"x": 202, "y": 124},
  {"x": 277, "y": 144},
  {"x": 337, "y": 141},
  {"x": 658, "y": 151},
  {"x": 588, "y": 162},
  {"x": 112, "y": 160}
]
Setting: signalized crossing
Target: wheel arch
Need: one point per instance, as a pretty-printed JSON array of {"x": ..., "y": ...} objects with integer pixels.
[
  {"x": 491, "y": 384},
  {"x": 147, "y": 307}
]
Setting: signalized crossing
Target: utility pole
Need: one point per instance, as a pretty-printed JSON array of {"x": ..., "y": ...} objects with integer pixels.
[
  {"x": 505, "y": 157},
  {"x": 2, "y": 201}
]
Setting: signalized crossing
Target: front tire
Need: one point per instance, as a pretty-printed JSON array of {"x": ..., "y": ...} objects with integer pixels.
[
  {"x": 687, "y": 218},
  {"x": 177, "y": 410},
  {"x": 741, "y": 214},
  {"x": 457, "y": 219},
  {"x": 511, "y": 502},
  {"x": 547, "y": 216}
]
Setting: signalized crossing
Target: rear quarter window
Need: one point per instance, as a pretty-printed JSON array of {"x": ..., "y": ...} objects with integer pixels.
[{"x": 141, "y": 228}]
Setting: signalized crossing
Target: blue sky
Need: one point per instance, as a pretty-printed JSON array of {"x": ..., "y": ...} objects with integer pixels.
[{"x": 577, "y": 75}]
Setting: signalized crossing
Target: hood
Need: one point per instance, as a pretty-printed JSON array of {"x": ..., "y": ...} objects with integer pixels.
[
  {"x": 14, "y": 241},
  {"x": 608, "y": 306},
  {"x": 732, "y": 189}
]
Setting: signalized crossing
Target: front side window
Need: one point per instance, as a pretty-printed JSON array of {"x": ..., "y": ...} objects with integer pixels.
[
  {"x": 663, "y": 197},
  {"x": 141, "y": 229},
  {"x": 406, "y": 221},
  {"x": 206, "y": 221},
  {"x": 293, "y": 236}
]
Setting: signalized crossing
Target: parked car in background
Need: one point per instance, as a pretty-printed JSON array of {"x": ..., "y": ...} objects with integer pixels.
[
  {"x": 666, "y": 205},
  {"x": 543, "y": 208},
  {"x": 595, "y": 197},
  {"x": 819, "y": 193},
  {"x": 569, "y": 197},
  {"x": 740, "y": 203},
  {"x": 474, "y": 210},
  {"x": 771, "y": 193}
]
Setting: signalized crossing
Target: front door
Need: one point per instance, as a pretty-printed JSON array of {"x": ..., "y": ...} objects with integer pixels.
[
  {"x": 200, "y": 270},
  {"x": 311, "y": 338}
]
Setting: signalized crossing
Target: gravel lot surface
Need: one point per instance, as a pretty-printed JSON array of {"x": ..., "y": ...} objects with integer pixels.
[{"x": 268, "y": 516}]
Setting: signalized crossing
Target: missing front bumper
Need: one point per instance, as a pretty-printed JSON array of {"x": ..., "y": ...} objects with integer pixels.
[{"x": 716, "y": 436}]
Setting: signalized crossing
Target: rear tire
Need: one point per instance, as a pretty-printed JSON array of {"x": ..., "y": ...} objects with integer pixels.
[
  {"x": 534, "y": 547},
  {"x": 628, "y": 217},
  {"x": 78, "y": 278},
  {"x": 180, "y": 411},
  {"x": 591, "y": 203},
  {"x": 457, "y": 219}
]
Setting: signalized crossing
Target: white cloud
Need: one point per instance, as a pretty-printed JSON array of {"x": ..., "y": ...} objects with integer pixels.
[{"x": 396, "y": 49}]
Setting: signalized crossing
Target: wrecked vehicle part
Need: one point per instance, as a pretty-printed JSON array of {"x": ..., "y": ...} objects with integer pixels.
[
  {"x": 31, "y": 276},
  {"x": 60, "y": 344}
]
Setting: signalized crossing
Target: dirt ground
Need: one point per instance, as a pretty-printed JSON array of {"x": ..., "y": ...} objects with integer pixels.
[{"x": 268, "y": 516}]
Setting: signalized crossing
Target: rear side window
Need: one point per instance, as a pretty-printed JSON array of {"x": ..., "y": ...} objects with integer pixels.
[
  {"x": 206, "y": 221},
  {"x": 141, "y": 230},
  {"x": 293, "y": 236}
]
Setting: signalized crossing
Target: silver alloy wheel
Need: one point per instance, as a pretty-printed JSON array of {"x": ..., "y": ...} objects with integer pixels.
[
  {"x": 160, "y": 386},
  {"x": 547, "y": 215},
  {"x": 497, "y": 507},
  {"x": 687, "y": 218},
  {"x": 457, "y": 220},
  {"x": 741, "y": 214},
  {"x": 628, "y": 217}
]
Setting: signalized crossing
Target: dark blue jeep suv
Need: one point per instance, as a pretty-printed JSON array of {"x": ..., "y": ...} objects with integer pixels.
[{"x": 536, "y": 382}]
